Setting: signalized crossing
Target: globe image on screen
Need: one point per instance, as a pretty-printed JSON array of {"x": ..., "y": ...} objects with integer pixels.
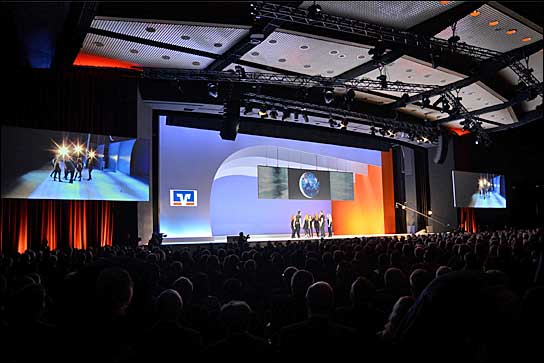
[{"x": 309, "y": 185}]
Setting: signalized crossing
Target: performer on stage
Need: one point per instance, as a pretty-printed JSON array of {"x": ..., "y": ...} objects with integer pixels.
[
  {"x": 306, "y": 226},
  {"x": 79, "y": 168},
  {"x": 316, "y": 224},
  {"x": 298, "y": 219},
  {"x": 293, "y": 226},
  {"x": 56, "y": 170},
  {"x": 329, "y": 224},
  {"x": 321, "y": 224}
]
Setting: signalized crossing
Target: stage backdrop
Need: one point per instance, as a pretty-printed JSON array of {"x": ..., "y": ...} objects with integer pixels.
[{"x": 209, "y": 186}]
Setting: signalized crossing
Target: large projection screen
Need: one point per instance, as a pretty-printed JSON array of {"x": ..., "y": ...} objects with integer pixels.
[
  {"x": 46, "y": 164},
  {"x": 478, "y": 190}
]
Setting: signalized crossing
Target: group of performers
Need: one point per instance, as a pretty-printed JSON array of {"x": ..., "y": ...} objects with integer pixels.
[
  {"x": 311, "y": 223},
  {"x": 485, "y": 187},
  {"x": 72, "y": 162}
]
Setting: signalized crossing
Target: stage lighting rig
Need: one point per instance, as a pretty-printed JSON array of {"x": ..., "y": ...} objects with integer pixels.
[
  {"x": 425, "y": 102},
  {"x": 213, "y": 90},
  {"x": 328, "y": 96},
  {"x": 315, "y": 11},
  {"x": 383, "y": 80},
  {"x": 240, "y": 71}
]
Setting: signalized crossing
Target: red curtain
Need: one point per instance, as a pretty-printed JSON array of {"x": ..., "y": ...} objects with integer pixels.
[
  {"x": 76, "y": 224},
  {"x": 468, "y": 219}
]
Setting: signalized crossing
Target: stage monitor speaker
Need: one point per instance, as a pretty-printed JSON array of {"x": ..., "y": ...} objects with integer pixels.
[
  {"x": 231, "y": 114},
  {"x": 442, "y": 149}
]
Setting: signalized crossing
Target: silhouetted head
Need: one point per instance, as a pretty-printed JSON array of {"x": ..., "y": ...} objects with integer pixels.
[
  {"x": 288, "y": 274},
  {"x": 442, "y": 270},
  {"x": 232, "y": 290},
  {"x": 362, "y": 291},
  {"x": 169, "y": 305},
  {"x": 236, "y": 316},
  {"x": 399, "y": 311},
  {"x": 301, "y": 280},
  {"x": 419, "y": 279},
  {"x": 184, "y": 287},
  {"x": 201, "y": 285},
  {"x": 27, "y": 304},
  {"x": 320, "y": 299},
  {"x": 114, "y": 289},
  {"x": 394, "y": 279}
]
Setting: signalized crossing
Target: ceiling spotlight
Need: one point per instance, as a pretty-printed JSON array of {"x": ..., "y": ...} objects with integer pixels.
[
  {"x": 344, "y": 124},
  {"x": 248, "y": 109},
  {"x": 383, "y": 80},
  {"x": 263, "y": 112},
  {"x": 286, "y": 115},
  {"x": 511, "y": 31},
  {"x": 240, "y": 70},
  {"x": 273, "y": 114},
  {"x": 425, "y": 102},
  {"x": 493, "y": 23},
  {"x": 475, "y": 13},
  {"x": 315, "y": 11},
  {"x": 328, "y": 95},
  {"x": 212, "y": 90},
  {"x": 430, "y": 212},
  {"x": 445, "y": 105},
  {"x": 378, "y": 51},
  {"x": 454, "y": 39}
]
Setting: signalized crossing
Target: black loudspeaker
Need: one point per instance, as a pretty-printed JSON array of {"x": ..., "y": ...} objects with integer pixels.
[
  {"x": 442, "y": 149},
  {"x": 231, "y": 113}
]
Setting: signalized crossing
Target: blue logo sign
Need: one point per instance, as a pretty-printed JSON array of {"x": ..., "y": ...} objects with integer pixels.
[{"x": 183, "y": 198}]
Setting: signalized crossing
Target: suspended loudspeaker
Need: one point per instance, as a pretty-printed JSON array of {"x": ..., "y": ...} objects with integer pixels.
[
  {"x": 231, "y": 115},
  {"x": 442, "y": 149}
]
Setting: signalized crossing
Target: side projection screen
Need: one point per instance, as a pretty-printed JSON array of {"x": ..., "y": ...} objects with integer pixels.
[
  {"x": 288, "y": 183},
  {"x": 478, "y": 190},
  {"x": 44, "y": 164}
]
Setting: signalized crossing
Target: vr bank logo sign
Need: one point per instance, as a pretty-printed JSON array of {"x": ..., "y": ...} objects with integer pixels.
[{"x": 182, "y": 198}]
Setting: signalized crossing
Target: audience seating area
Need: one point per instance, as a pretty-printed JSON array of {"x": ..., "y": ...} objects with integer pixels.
[{"x": 454, "y": 297}]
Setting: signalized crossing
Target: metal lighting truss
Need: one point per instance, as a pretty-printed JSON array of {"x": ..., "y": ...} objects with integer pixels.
[
  {"x": 430, "y": 132},
  {"x": 362, "y": 84},
  {"x": 387, "y": 35}
]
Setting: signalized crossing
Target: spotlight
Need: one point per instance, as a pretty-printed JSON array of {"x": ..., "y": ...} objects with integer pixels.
[
  {"x": 286, "y": 115},
  {"x": 332, "y": 123},
  {"x": 78, "y": 149},
  {"x": 63, "y": 151},
  {"x": 349, "y": 96},
  {"x": 344, "y": 124},
  {"x": 454, "y": 39},
  {"x": 273, "y": 114},
  {"x": 383, "y": 80},
  {"x": 445, "y": 105},
  {"x": 263, "y": 111},
  {"x": 248, "y": 109},
  {"x": 328, "y": 95},
  {"x": 425, "y": 102},
  {"x": 372, "y": 130},
  {"x": 92, "y": 154},
  {"x": 404, "y": 99},
  {"x": 430, "y": 212},
  {"x": 377, "y": 52},
  {"x": 212, "y": 90},
  {"x": 241, "y": 71},
  {"x": 315, "y": 11}
]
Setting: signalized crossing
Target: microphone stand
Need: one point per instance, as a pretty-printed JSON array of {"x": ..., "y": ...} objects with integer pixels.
[{"x": 404, "y": 206}]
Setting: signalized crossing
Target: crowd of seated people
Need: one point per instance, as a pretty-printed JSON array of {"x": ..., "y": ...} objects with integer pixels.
[{"x": 455, "y": 297}]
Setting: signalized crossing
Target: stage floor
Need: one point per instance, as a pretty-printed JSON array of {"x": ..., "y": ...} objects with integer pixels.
[
  {"x": 104, "y": 185},
  {"x": 266, "y": 238}
]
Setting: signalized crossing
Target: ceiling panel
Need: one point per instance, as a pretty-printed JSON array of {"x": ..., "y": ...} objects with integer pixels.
[
  {"x": 144, "y": 55},
  {"x": 307, "y": 55},
  {"x": 477, "y": 31},
  {"x": 396, "y": 14},
  {"x": 210, "y": 38}
]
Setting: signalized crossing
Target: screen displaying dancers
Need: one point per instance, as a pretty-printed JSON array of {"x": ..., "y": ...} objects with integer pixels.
[
  {"x": 479, "y": 190},
  {"x": 44, "y": 164}
]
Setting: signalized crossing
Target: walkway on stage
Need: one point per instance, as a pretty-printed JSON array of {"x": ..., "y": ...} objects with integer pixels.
[{"x": 275, "y": 238}]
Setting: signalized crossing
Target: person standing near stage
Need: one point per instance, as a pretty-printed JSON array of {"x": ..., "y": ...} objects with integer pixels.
[
  {"x": 316, "y": 224},
  {"x": 70, "y": 168},
  {"x": 321, "y": 224},
  {"x": 293, "y": 226},
  {"x": 329, "y": 224},
  {"x": 90, "y": 165},
  {"x": 298, "y": 220}
]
